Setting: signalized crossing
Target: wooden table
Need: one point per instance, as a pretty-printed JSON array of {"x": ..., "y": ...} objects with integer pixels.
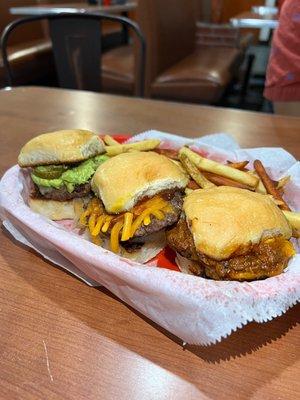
[
  {"x": 62, "y": 339},
  {"x": 73, "y": 7}
]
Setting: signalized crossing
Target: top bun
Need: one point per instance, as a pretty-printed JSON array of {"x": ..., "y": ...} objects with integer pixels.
[
  {"x": 225, "y": 219},
  {"x": 126, "y": 178},
  {"x": 67, "y": 146}
]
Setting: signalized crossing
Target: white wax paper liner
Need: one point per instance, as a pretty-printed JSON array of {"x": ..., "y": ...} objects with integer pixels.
[{"x": 197, "y": 310}]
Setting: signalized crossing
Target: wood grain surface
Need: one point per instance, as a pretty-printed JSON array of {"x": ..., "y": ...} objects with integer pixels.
[{"x": 60, "y": 339}]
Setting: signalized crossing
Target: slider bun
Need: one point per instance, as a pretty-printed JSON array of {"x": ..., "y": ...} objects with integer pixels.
[
  {"x": 54, "y": 210},
  {"x": 224, "y": 219},
  {"x": 67, "y": 146},
  {"x": 126, "y": 178},
  {"x": 153, "y": 245}
]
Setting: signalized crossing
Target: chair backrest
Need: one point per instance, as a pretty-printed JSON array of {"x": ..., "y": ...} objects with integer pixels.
[
  {"x": 169, "y": 29},
  {"x": 77, "y": 43},
  {"x": 203, "y": 10}
]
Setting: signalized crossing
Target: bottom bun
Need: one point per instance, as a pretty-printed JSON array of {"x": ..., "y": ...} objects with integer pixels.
[
  {"x": 189, "y": 266},
  {"x": 153, "y": 245},
  {"x": 57, "y": 210}
]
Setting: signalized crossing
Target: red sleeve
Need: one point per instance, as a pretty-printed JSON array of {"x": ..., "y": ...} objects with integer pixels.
[
  {"x": 280, "y": 3},
  {"x": 283, "y": 72}
]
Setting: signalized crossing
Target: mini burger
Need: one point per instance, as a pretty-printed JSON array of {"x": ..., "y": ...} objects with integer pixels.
[
  {"x": 138, "y": 195},
  {"x": 60, "y": 165},
  {"x": 227, "y": 233}
]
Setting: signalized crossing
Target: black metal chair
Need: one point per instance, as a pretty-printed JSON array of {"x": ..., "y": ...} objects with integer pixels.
[{"x": 77, "y": 48}]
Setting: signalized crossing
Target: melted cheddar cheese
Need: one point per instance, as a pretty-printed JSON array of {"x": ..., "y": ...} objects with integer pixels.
[{"x": 122, "y": 226}]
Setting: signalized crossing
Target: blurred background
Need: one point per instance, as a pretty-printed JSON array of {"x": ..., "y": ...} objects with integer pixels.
[{"x": 197, "y": 51}]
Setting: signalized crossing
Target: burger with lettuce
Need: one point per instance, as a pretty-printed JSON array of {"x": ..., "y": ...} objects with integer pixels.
[{"x": 59, "y": 166}]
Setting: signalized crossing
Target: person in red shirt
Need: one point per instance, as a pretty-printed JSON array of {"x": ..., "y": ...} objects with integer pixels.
[{"x": 282, "y": 85}]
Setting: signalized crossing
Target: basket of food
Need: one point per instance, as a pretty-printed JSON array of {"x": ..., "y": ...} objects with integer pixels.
[{"x": 198, "y": 235}]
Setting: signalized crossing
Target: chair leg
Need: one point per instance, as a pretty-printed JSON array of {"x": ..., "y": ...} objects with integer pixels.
[{"x": 245, "y": 84}]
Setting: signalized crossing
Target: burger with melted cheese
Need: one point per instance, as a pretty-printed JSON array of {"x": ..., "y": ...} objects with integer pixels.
[
  {"x": 59, "y": 166},
  {"x": 227, "y": 233},
  {"x": 139, "y": 195}
]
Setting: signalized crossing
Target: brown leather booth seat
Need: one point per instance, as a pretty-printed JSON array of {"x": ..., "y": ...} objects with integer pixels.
[
  {"x": 29, "y": 48},
  {"x": 200, "y": 77},
  {"x": 177, "y": 68},
  {"x": 118, "y": 70},
  {"x": 30, "y": 61}
]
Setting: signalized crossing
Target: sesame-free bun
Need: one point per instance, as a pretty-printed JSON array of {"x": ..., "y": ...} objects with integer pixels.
[
  {"x": 153, "y": 245},
  {"x": 126, "y": 178},
  {"x": 60, "y": 147},
  {"x": 224, "y": 219},
  {"x": 54, "y": 210},
  {"x": 149, "y": 250}
]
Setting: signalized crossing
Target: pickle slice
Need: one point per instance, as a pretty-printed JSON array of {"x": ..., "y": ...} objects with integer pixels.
[{"x": 49, "y": 171}]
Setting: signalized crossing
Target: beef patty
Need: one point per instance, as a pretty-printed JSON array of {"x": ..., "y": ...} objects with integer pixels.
[
  {"x": 262, "y": 260},
  {"x": 265, "y": 259},
  {"x": 175, "y": 198},
  {"x": 180, "y": 239},
  {"x": 62, "y": 194}
]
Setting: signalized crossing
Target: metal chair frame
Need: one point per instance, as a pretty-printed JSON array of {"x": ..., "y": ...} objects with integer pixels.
[{"x": 69, "y": 27}]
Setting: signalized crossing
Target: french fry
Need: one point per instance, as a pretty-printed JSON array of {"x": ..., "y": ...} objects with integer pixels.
[
  {"x": 238, "y": 165},
  {"x": 178, "y": 163},
  {"x": 260, "y": 188},
  {"x": 277, "y": 202},
  {"x": 282, "y": 182},
  {"x": 268, "y": 184},
  {"x": 195, "y": 173},
  {"x": 137, "y": 146},
  {"x": 294, "y": 220},
  {"x": 219, "y": 180},
  {"x": 188, "y": 191},
  {"x": 110, "y": 141},
  {"x": 193, "y": 185},
  {"x": 254, "y": 173},
  {"x": 170, "y": 153},
  {"x": 223, "y": 170}
]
